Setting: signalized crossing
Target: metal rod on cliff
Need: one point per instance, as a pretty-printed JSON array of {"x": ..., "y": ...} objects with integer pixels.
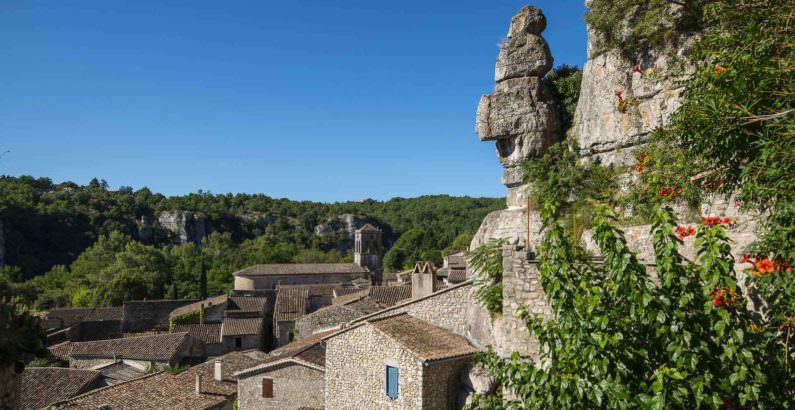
[{"x": 527, "y": 244}]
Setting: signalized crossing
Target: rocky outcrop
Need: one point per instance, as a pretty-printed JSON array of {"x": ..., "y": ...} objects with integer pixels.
[
  {"x": 145, "y": 230},
  {"x": 520, "y": 117},
  {"x": 187, "y": 226},
  {"x": 622, "y": 99},
  {"x": 343, "y": 225}
]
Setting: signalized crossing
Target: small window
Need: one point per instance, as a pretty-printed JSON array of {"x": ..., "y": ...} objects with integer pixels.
[
  {"x": 267, "y": 388},
  {"x": 392, "y": 382},
  {"x": 238, "y": 342}
]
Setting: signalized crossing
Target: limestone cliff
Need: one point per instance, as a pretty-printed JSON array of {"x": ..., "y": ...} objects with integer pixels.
[
  {"x": 520, "y": 116},
  {"x": 622, "y": 100},
  {"x": 187, "y": 226}
]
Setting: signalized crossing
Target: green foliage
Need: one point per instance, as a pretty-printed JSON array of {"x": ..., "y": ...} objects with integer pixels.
[
  {"x": 486, "y": 261},
  {"x": 21, "y": 336},
  {"x": 635, "y": 26},
  {"x": 176, "y": 369},
  {"x": 618, "y": 340},
  {"x": 569, "y": 187},
  {"x": 411, "y": 247},
  {"x": 87, "y": 239},
  {"x": 564, "y": 84},
  {"x": 191, "y": 318}
]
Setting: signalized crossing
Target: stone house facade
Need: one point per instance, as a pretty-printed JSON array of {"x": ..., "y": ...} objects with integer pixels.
[
  {"x": 396, "y": 362},
  {"x": 290, "y": 381}
]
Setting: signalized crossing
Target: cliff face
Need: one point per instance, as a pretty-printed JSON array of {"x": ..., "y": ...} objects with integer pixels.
[
  {"x": 622, "y": 100},
  {"x": 608, "y": 130},
  {"x": 187, "y": 226}
]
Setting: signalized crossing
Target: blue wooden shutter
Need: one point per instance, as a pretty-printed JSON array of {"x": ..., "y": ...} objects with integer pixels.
[{"x": 392, "y": 382}]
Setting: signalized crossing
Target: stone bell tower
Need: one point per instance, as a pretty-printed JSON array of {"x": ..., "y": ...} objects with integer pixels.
[{"x": 368, "y": 250}]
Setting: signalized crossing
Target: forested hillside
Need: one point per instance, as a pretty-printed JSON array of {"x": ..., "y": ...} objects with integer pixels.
[{"x": 67, "y": 244}]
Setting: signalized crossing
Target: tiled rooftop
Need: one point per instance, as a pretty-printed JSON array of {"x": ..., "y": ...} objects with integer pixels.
[
  {"x": 70, "y": 316},
  {"x": 424, "y": 340},
  {"x": 196, "y": 306},
  {"x": 247, "y": 304},
  {"x": 233, "y": 326},
  {"x": 166, "y": 391},
  {"x": 120, "y": 372},
  {"x": 61, "y": 351},
  {"x": 309, "y": 351},
  {"x": 291, "y": 303},
  {"x": 376, "y": 297},
  {"x": 42, "y": 386},
  {"x": 209, "y": 333},
  {"x": 456, "y": 275},
  {"x": 157, "y": 347},
  {"x": 302, "y": 269}
]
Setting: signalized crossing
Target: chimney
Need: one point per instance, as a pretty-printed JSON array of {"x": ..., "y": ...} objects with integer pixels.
[
  {"x": 423, "y": 280},
  {"x": 218, "y": 375},
  {"x": 198, "y": 384},
  {"x": 201, "y": 313}
]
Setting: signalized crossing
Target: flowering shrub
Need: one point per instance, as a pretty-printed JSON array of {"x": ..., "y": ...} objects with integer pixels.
[{"x": 618, "y": 340}]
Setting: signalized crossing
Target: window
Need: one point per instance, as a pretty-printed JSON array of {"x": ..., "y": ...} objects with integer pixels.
[
  {"x": 392, "y": 382},
  {"x": 267, "y": 388},
  {"x": 238, "y": 342}
]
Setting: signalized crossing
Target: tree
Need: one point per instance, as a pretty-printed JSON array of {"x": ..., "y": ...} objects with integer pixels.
[{"x": 618, "y": 340}]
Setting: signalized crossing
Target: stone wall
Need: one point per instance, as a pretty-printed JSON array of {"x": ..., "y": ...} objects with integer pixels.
[
  {"x": 324, "y": 318},
  {"x": 144, "y": 315},
  {"x": 355, "y": 372},
  {"x": 441, "y": 383},
  {"x": 446, "y": 309},
  {"x": 294, "y": 386},
  {"x": 247, "y": 342},
  {"x": 520, "y": 287},
  {"x": 96, "y": 330}
]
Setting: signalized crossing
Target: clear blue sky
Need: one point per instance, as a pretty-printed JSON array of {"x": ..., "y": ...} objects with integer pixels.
[{"x": 319, "y": 100}]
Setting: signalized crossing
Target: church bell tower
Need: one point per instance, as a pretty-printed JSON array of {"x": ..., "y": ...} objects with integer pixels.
[{"x": 368, "y": 250}]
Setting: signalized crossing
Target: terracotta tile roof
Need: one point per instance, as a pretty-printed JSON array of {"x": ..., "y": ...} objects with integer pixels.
[
  {"x": 233, "y": 326},
  {"x": 441, "y": 290},
  {"x": 347, "y": 291},
  {"x": 118, "y": 372},
  {"x": 322, "y": 289},
  {"x": 312, "y": 354},
  {"x": 166, "y": 391},
  {"x": 196, "y": 306},
  {"x": 387, "y": 296},
  {"x": 70, "y": 316},
  {"x": 424, "y": 340},
  {"x": 376, "y": 297},
  {"x": 209, "y": 332},
  {"x": 298, "y": 345},
  {"x": 302, "y": 269},
  {"x": 61, "y": 351},
  {"x": 247, "y": 304},
  {"x": 156, "y": 347},
  {"x": 457, "y": 275},
  {"x": 41, "y": 386},
  {"x": 291, "y": 303}
]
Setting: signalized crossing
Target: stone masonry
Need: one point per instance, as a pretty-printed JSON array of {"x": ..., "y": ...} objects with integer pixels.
[
  {"x": 294, "y": 386},
  {"x": 520, "y": 116}
]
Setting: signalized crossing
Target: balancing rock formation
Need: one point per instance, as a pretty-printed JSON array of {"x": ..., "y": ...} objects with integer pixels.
[{"x": 520, "y": 116}]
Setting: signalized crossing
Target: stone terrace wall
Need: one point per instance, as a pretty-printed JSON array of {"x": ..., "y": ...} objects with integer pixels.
[
  {"x": 143, "y": 315},
  {"x": 521, "y": 287},
  {"x": 294, "y": 386},
  {"x": 441, "y": 383},
  {"x": 355, "y": 363}
]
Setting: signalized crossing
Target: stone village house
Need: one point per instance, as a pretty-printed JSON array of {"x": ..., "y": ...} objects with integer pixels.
[
  {"x": 292, "y": 377},
  {"x": 142, "y": 352},
  {"x": 398, "y": 362}
]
